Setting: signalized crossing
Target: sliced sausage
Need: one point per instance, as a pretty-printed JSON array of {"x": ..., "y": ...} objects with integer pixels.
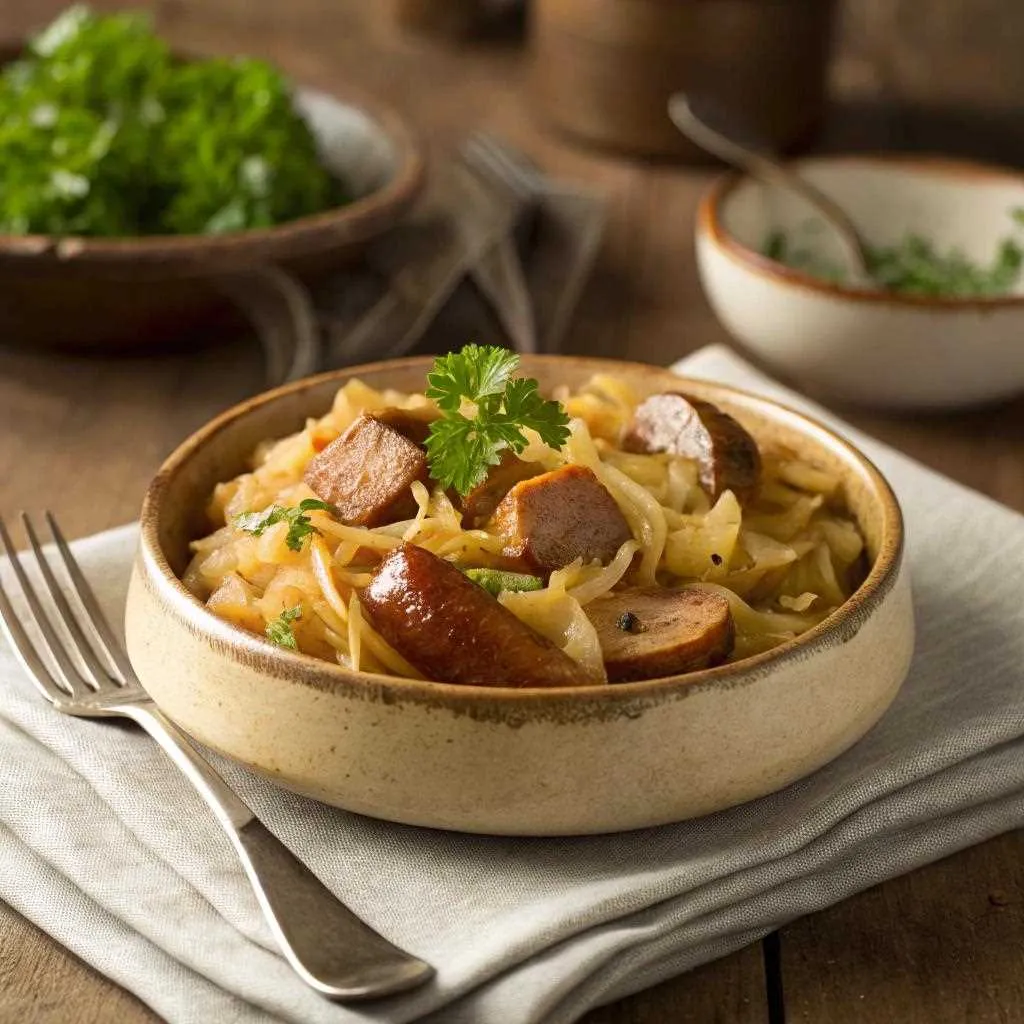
[
  {"x": 647, "y": 633},
  {"x": 726, "y": 454},
  {"x": 453, "y": 631},
  {"x": 478, "y": 506},
  {"x": 414, "y": 425},
  {"x": 552, "y": 519},
  {"x": 367, "y": 472}
]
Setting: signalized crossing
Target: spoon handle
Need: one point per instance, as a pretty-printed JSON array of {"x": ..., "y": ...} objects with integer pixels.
[{"x": 763, "y": 168}]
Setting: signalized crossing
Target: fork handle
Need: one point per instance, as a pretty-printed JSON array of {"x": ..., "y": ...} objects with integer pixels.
[{"x": 331, "y": 949}]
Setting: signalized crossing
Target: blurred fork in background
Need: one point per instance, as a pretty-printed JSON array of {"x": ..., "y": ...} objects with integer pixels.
[
  {"x": 557, "y": 235},
  {"x": 526, "y": 242},
  {"x": 499, "y": 271}
]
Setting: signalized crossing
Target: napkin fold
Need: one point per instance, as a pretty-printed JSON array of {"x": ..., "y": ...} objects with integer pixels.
[{"x": 104, "y": 845}]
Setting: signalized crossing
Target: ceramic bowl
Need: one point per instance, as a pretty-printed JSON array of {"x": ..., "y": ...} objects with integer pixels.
[
  {"x": 156, "y": 290},
  {"x": 506, "y": 761},
  {"x": 870, "y": 346}
]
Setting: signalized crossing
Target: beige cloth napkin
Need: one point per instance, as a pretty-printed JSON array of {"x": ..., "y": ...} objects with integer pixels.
[{"x": 103, "y": 845}]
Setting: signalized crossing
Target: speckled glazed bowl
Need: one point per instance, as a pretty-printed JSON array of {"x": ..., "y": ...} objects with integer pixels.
[{"x": 521, "y": 762}]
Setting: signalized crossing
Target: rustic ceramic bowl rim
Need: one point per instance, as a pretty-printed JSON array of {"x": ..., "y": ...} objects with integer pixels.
[
  {"x": 710, "y": 225},
  {"x": 397, "y": 191},
  {"x": 836, "y": 628}
]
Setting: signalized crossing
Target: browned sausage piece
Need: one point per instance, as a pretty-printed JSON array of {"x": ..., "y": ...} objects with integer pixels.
[
  {"x": 552, "y": 519},
  {"x": 454, "y": 632},
  {"x": 726, "y": 454},
  {"x": 647, "y": 633},
  {"x": 367, "y": 472},
  {"x": 478, "y": 506},
  {"x": 414, "y": 425}
]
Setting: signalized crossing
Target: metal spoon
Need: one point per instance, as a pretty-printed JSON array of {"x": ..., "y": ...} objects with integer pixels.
[{"x": 748, "y": 156}]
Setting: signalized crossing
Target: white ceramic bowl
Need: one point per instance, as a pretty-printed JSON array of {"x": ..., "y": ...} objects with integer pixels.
[
  {"x": 870, "y": 347},
  {"x": 515, "y": 761}
]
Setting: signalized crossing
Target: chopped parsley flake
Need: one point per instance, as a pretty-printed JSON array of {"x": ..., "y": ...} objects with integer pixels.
[
  {"x": 279, "y": 631},
  {"x": 299, "y": 524}
]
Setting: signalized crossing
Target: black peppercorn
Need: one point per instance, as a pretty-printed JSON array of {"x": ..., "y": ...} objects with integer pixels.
[{"x": 628, "y": 622}]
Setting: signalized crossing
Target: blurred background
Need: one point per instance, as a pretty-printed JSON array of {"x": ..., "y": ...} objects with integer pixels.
[
  {"x": 578, "y": 87},
  {"x": 951, "y": 61}
]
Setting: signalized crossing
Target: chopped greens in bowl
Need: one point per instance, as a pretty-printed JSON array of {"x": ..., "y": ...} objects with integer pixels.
[
  {"x": 913, "y": 266},
  {"x": 105, "y": 133}
]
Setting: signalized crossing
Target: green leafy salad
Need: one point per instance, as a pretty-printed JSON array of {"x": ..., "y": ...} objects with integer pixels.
[
  {"x": 914, "y": 266},
  {"x": 103, "y": 132}
]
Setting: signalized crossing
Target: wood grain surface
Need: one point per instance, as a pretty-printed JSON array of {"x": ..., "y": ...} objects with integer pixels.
[{"x": 942, "y": 945}]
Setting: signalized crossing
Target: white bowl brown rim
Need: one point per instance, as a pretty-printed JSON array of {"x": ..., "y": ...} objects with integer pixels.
[
  {"x": 490, "y": 702},
  {"x": 709, "y": 223}
]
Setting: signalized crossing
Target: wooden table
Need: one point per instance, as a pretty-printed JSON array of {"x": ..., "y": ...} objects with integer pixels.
[{"x": 943, "y": 945}]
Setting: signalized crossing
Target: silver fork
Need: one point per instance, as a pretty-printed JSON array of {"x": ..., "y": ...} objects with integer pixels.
[
  {"x": 507, "y": 166},
  {"x": 499, "y": 272},
  {"x": 331, "y": 949}
]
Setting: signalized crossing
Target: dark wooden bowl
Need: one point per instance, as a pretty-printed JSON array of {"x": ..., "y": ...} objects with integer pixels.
[{"x": 155, "y": 291}]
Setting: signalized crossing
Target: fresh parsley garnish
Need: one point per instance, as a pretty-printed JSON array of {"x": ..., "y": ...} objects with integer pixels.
[
  {"x": 494, "y": 581},
  {"x": 299, "y": 524},
  {"x": 460, "y": 449},
  {"x": 279, "y": 631},
  {"x": 915, "y": 265},
  {"x": 104, "y": 132}
]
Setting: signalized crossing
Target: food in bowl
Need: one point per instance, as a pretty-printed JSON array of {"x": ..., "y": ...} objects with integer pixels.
[
  {"x": 478, "y": 533},
  {"x": 551, "y": 761},
  {"x": 914, "y": 265},
  {"x": 104, "y": 132},
  {"x": 880, "y": 347}
]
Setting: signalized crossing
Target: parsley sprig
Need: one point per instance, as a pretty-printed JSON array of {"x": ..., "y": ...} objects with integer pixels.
[
  {"x": 299, "y": 524},
  {"x": 279, "y": 631},
  {"x": 461, "y": 449}
]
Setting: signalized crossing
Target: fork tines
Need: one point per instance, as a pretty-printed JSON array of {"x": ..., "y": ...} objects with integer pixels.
[
  {"x": 495, "y": 159},
  {"x": 62, "y": 642}
]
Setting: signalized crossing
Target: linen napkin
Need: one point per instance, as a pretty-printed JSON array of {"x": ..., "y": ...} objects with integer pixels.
[{"x": 104, "y": 845}]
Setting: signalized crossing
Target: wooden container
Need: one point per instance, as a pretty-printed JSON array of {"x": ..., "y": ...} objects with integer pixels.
[
  {"x": 442, "y": 19},
  {"x": 603, "y": 69}
]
